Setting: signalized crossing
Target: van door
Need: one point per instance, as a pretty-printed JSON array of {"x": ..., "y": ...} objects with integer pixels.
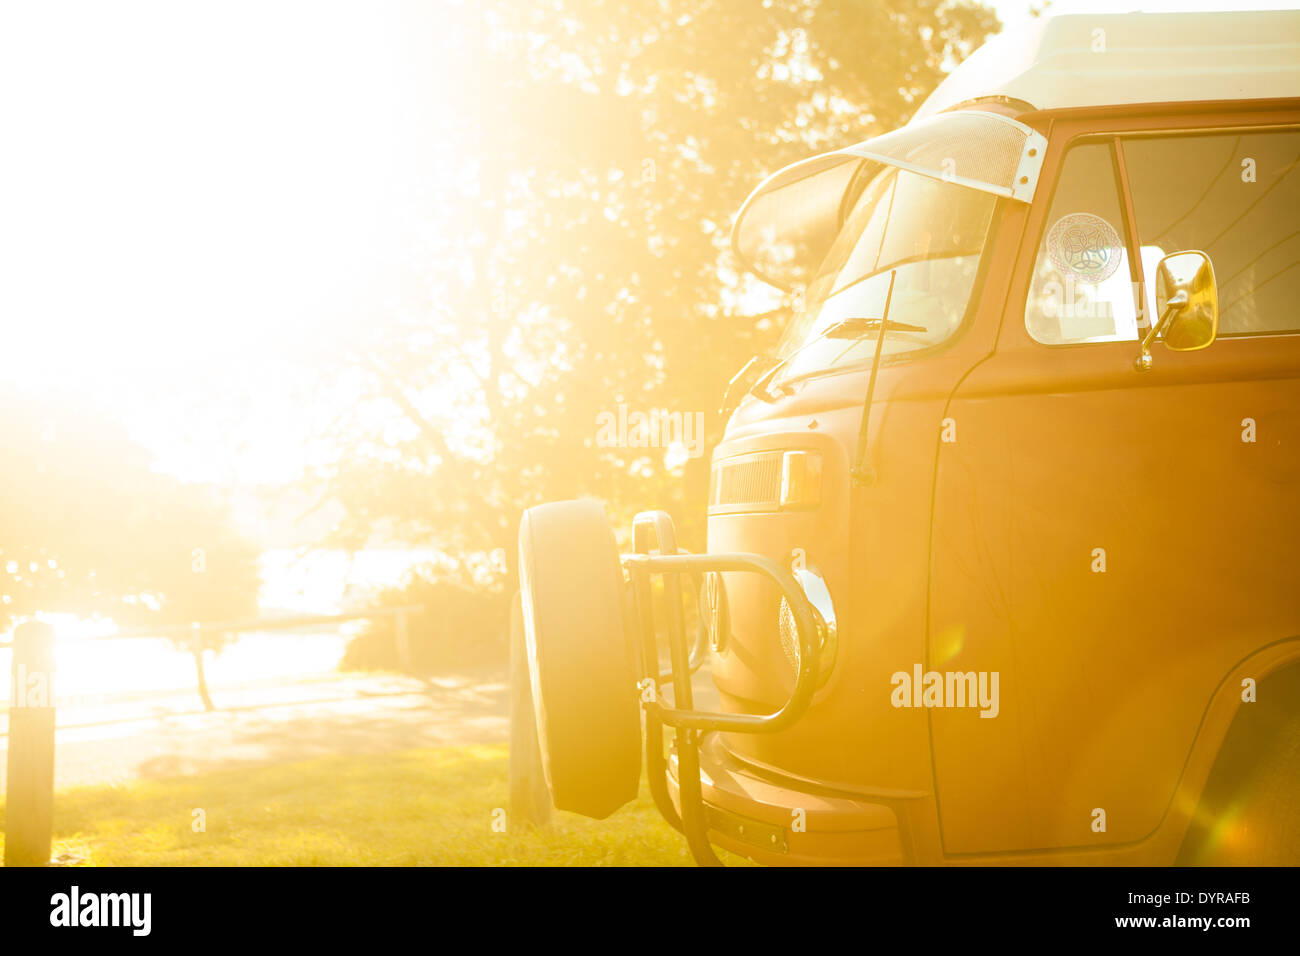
[{"x": 1112, "y": 542}]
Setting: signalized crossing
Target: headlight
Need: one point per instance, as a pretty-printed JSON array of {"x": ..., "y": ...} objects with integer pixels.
[{"x": 827, "y": 637}]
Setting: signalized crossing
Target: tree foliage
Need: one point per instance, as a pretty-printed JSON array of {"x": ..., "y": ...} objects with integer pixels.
[
  {"x": 580, "y": 259},
  {"x": 86, "y": 527}
]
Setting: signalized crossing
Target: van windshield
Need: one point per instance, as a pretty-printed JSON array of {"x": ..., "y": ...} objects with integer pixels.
[{"x": 931, "y": 232}]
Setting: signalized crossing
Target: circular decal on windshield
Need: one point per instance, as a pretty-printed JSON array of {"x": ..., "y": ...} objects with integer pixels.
[{"x": 1084, "y": 246}]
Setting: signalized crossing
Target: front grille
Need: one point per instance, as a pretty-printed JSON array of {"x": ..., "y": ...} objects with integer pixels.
[{"x": 746, "y": 483}]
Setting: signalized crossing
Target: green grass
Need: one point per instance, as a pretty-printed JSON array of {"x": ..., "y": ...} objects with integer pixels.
[{"x": 420, "y": 807}]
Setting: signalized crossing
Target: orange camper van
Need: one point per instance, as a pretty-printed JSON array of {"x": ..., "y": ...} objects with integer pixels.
[{"x": 1003, "y": 557}]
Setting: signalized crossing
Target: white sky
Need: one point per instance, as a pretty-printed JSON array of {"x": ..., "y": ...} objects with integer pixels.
[
  {"x": 175, "y": 171},
  {"x": 188, "y": 190}
]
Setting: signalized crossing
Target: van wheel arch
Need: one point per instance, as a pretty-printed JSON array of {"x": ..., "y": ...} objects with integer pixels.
[{"x": 1249, "y": 809}]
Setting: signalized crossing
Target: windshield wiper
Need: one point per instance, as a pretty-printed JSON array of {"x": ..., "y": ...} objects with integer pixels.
[
  {"x": 857, "y": 327},
  {"x": 852, "y": 328},
  {"x": 729, "y": 401},
  {"x": 863, "y": 473}
]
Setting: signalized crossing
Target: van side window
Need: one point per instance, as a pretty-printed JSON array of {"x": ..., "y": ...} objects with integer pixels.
[
  {"x": 1235, "y": 197},
  {"x": 1082, "y": 290}
]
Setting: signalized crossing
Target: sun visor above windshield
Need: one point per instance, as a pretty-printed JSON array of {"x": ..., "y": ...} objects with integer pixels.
[{"x": 787, "y": 224}]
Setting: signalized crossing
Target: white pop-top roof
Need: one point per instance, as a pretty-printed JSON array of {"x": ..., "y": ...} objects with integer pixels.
[
  {"x": 1081, "y": 60},
  {"x": 1113, "y": 59}
]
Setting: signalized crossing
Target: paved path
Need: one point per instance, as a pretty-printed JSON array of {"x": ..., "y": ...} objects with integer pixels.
[
  {"x": 165, "y": 735},
  {"x": 106, "y": 743}
]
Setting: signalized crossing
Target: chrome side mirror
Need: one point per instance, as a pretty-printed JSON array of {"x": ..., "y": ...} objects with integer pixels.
[{"x": 1187, "y": 301}]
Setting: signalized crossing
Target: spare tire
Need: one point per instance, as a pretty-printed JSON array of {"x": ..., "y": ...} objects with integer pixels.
[
  {"x": 580, "y": 661},
  {"x": 530, "y": 801}
]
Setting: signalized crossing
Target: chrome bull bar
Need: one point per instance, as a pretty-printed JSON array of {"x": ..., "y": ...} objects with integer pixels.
[{"x": 656, "y": 552}]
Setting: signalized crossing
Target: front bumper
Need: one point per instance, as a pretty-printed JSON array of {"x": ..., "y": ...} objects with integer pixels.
[
  {"x": 775, "y": 822},
  {"x": 701, "y": 789}
]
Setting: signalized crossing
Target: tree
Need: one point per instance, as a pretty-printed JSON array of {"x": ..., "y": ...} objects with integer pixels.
[
  {"x": 87, "y": 528},
  {"x": 579, "y": 260}
]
